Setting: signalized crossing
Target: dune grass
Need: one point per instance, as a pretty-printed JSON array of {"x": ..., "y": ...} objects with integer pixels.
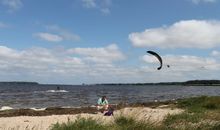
[
  {"x": 200, "y": 104},
  {"x": 80, "y": 124},
  {"x": 120, "y": 123},
  {"x": 201, "y": 113},
  {"x": 130, "y": 123}
]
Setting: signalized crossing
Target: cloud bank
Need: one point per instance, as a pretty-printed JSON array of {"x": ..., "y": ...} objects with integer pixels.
[
  {"x": 108, "y": 54},
  {"x": 99, "y": 65},
  {"x": 183, "y": 34},
  {"x": 70, "y": 65},
  {"x": 182, "y": 68}
]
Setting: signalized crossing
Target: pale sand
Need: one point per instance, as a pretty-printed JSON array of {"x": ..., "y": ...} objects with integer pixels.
[{"x": 44, "y": 122}]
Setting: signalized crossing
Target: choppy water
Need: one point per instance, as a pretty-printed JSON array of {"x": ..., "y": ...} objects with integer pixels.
[{"x": 40, "y": 96}]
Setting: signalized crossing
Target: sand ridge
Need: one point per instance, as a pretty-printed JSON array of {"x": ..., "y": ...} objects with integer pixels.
[{"x": 44, "y": 122}]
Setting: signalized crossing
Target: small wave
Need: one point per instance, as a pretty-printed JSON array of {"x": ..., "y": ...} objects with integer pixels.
[
  {"x": 6, "y": 108},
  {"x": 57, "y": 91},
  {"x": 39, "y": 91},
  {"x": 38, "y": 109}
]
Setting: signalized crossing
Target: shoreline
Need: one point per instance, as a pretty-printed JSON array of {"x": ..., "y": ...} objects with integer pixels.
[
  {"x": 10, "y": 112},
  {"x": 192, "y": 113}
]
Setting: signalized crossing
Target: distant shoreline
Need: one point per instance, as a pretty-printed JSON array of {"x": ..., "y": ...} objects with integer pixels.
[
  {"x": 186, "y": 83},
  {"x": 18, "y": 83}
]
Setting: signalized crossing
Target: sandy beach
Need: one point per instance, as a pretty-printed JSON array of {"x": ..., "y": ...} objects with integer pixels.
[{"x": 154, "y": 115}]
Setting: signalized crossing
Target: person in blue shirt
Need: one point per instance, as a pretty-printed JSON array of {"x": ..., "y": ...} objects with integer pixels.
[{"x": 102, "y": 103}]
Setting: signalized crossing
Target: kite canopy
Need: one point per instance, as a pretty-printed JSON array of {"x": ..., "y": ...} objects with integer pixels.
[{"x": 158, "y": 57}]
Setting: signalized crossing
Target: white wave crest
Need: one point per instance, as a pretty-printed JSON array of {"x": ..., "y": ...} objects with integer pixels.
[
  {"x": 38, "y": 109},
  {"x": 6, "y": 108},
  {"x": 57, "y": 91}
]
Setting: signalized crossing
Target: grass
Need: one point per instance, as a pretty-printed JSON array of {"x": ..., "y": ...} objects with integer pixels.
[
  {"x": 120, "y": 123},
  {"x": 129, "y": 123},
  {"x": 200, "y": 104},
  {"x": 201, "y": 113},
  {"x": 216, "y": 127},
  {"x": 182, "y": 118},
  {"x": 80, "y": 124}
]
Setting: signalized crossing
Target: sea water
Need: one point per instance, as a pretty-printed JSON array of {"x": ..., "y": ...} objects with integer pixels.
[{"x": 43, "y": 96}]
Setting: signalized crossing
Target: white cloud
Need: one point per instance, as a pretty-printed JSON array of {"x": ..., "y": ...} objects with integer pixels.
[
  {"x": 205, "y": 1},
  {"x": 42, "y": 64},
  {"x": 184, "y": 62},
  {"x": 57, "y": 34},
  {"x": 101, "y": 55},
  {"x": 37, "y": 62},
  {"x": 215, "y": 53},
  {"x": 13, "y": 5},
  {"x": 7, "y": 52},
  {"x": 89, "y": 3},
  {"x": 101, "y": 5},
  {"x": 99, "y": 65},
  {"x": 66, "y": 35},
  {"x": 105, "y": 11},
  {"x": 182, "y": 68},
  {"x": 183, "y": 34},
  {"x": 49, "y": 37}
]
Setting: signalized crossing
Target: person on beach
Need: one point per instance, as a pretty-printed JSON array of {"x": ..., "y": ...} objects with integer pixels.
[
  {"x": 110, "y": 111},
  {"x": 102, "y": 103}
]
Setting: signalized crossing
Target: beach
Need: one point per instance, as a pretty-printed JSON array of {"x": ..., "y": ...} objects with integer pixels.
[
  {"x": 154, "y": 115},
  {"x": 39, "y": 107}
]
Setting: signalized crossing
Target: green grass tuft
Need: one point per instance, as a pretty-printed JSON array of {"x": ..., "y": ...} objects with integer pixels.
[
  {"x": 200, "y": 104},
  {"x": 182, "y": 118},
  {"x": 216, "y": 127},
  {"x": 129, "y": 123},
  {"x": 80, "y": 124},
  {"x": 200, "y": 113}
]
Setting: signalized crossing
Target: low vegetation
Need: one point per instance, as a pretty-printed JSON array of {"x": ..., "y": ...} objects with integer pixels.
[
  {"x": 80, "y": 124},
  {"x": 201, "y": 113}
]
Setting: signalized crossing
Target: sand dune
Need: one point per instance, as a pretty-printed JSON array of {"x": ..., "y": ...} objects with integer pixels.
[{"x": 44, "y": 122}]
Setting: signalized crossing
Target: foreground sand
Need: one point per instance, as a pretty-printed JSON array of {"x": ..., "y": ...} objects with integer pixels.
[{"x": 44, "y": 122}]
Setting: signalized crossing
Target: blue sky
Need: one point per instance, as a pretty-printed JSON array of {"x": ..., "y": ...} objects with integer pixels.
[{"x": 105, "y": 41}]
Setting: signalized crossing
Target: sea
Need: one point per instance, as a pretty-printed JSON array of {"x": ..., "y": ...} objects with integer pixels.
[{"x": 43, "y": 96}]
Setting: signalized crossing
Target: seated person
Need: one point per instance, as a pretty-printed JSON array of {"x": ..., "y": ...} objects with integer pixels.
[
  {"x": 110, "y": 112},
  {"x": 102, "y": 103}
]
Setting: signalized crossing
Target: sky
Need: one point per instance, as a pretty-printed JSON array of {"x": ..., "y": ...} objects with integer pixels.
[{"x": 105, "y": 41}]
